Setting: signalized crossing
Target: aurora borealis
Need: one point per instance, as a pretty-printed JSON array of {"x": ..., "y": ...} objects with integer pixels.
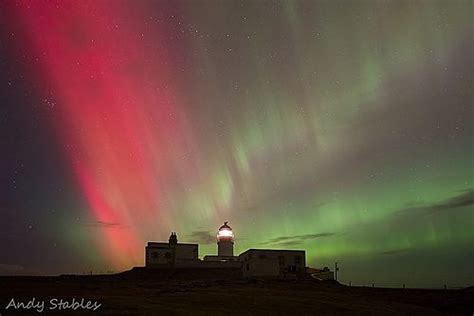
[{"x": 344, "y": 128}]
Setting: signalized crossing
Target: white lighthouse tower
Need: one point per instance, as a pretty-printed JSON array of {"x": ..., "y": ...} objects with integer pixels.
[
  {"x": 225, "y": 241},
  {"x": 225, "y": 246}
]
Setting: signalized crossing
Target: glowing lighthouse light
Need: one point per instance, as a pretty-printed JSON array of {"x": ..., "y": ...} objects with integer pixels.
[
  {"x": 225, "y": 232},
  {"x": 225, "y": 241}
]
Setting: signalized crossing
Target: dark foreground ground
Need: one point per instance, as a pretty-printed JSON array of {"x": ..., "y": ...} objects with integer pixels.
[{"x": 157, "y": 296}]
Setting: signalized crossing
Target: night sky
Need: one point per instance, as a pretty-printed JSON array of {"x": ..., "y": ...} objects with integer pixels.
[{"x": 344, "y": 128}]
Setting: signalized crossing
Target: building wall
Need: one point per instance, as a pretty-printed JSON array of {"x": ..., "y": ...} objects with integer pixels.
[
  {"x": 225, "y": 248},
  {"x": 186, "y": 252},
  {"x": 221, "y": 258},
  {"x": 208, "y": 264},
  {"x": 272, "y": 263},
  {"x": 159, "y": 254},
  {"x": 261, "y": 267}
]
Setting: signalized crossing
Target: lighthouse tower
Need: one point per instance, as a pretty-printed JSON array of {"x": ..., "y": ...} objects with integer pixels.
[{"x": 225, "y": 241}]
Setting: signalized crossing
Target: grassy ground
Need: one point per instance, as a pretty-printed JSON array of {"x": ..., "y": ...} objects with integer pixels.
[{"x": 152, "y": 296}]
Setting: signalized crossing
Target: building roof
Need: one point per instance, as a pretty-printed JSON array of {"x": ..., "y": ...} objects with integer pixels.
[
  {"x": 225, "y": 226},
  {"x": 271, "y": 250},
  {"x": 156, "y": 243}
]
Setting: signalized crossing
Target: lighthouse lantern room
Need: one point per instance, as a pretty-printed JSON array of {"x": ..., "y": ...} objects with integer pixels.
[{"x": 225, "y": 241}]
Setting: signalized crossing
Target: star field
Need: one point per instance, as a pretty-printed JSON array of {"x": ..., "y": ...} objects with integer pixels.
[{"x": 341, "y": 128}]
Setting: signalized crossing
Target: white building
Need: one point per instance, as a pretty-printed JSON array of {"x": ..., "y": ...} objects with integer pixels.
[
  {"x": 172, "y": 253},
  {"x": 272, "y": 263},
  {"x": 320, "y": 274}
]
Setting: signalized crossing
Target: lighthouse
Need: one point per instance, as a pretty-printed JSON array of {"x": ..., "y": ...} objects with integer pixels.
[
  {"x": 251, "y": 263},
  {"x": 225, "y": 241},
  {"x": 225, "y": 246}
]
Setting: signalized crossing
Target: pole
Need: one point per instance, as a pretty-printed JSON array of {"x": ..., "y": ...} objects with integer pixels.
[{"x": 336, "y": 269}]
